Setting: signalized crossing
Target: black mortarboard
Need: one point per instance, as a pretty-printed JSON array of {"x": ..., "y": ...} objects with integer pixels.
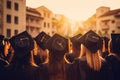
[
  {"x": 1, "y": 43},
  {"x": 75, "y": 41},
  {"x": 22, "y": 43},
  {"x": 115, "y": 43},
  {"x": 91, "y": 41},
  {"x": 1, "y": 38},
  {"x": 41, "y": 39},
  {"x": 57, "y": 44}
]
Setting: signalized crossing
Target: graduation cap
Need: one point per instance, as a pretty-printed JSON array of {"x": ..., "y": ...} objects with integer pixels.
[
  {"x": 75, "y": 41},
  {"x": 22, "y": 43},
  {"x": 115, "y": 43},
  {"x": 41, "y": 39},
  {"x": 1, "y": 37},
  {"x": 91, "y": 41},
  {"x": 57, "y": 44},
  {"x": 1, "y": 43}
]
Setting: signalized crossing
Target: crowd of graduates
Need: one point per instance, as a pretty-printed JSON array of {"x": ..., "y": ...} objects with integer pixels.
[{"x": 82, "y": 57}]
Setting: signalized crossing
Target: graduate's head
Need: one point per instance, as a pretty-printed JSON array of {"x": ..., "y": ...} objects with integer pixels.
[
  {"x": 41, "y": 39},
  {"x": 57, "y": 45},
  {"x": 76, "y": 45},
  {"x": 91, "y": 41},
  {"x": 22, "y": 43}
]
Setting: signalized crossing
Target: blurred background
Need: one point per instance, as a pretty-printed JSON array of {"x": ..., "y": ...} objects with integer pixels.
[{"x": 65, "y": 17}]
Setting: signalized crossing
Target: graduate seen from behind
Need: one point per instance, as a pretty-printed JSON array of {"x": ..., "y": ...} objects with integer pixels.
[
  {"x": 70, "y": 58},
  {"x": 57, "y": 46},
  {"x": 3, "y": 49},
  {"x": 23, "y": 66},
  {"x": 42, "y": 55},
  {"x": 114, "y": 56},
  {"x": 90, "y": 65}
]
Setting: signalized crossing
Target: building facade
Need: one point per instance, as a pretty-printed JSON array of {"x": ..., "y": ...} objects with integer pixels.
[
  {"x": 107, "y": 21},
  {"x": 46, "y": 24},
  {"x": 13, "y": 17},
  {"x": 33, "y": 21},
  {"x": 1, "y": 16}
]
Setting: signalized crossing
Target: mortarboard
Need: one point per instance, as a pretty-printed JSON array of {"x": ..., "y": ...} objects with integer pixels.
[
  {"x": 57, "y": 43},
  {"x": 1, "y": 43},
  {"x": 41, "y": 39},
  {"x": 1, "y": 39},
  {"x": 22, "y": 43},
  {"x": 91, "y": 41},
  {"x": 75, "y": 41},
  {"x": 115, "y": 43}
]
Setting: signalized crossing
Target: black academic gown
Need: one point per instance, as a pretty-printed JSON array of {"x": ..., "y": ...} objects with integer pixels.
[
  {"x": 3, "y": 62},
  {"x": 23, "y": 72},
  {"x": 114, "y": 62},
  {"x": 79, "y": 70}
]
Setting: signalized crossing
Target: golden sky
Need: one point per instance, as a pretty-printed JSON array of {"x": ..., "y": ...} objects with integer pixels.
[{"x": 74, "y": 9}]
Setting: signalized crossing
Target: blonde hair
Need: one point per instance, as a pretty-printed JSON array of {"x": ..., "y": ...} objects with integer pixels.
[
  {"x": 109, "y": 46},
  {"x": 47, "y": 56},
  {"x": 93, "y": 59},
  {"x": 32, "y": 53},
  {"x": 35, "y": 49},
  {"x": 103, "y": 46}
]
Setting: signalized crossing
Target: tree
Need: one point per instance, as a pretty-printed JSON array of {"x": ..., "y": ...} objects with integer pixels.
[{"x": 62, "y": 25}]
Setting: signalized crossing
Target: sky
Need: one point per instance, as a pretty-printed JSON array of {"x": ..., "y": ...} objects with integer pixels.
[{"x": 74, "y": 9}]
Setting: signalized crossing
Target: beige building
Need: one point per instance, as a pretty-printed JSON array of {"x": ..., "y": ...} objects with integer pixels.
[
  {"x": 1, "y": 16},
  {"x": 107, "y": 21},
  {"x": 33, "y": 21},
  {"x": 46, "y": 24},
  {"x": 13, "y": 17}
]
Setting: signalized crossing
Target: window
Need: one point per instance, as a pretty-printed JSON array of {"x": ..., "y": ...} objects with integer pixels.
[
  {"x": 53, "y": 32},
  {"x": 31, "y": 28},
  {"x": 44, "y": 24},
  {"x": 37, "y": 29},
  {"x": 31, "y": 19},
  {"x": 8, "y": 33},
  {"x": 44, "y": 14},
  {"x": 9, "y": 4},
  {"x": 113, "y": 31},
  {"x": 16, "y": 20},
  {"x": 37, "y": 20},
  {"x": 16, "y": 6},
  {"x": 113, "y": 21},
  {"x": 8, "y": 18},
  {"x": 48, "y": 25},
  {"x": 16, "y": 32},
  {"x": 118, "y": 27}
]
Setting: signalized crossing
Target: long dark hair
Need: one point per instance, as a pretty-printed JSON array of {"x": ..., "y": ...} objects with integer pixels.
[
  {"x": 56, "y": 66},
  {"x": 24, "y": 58}
]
